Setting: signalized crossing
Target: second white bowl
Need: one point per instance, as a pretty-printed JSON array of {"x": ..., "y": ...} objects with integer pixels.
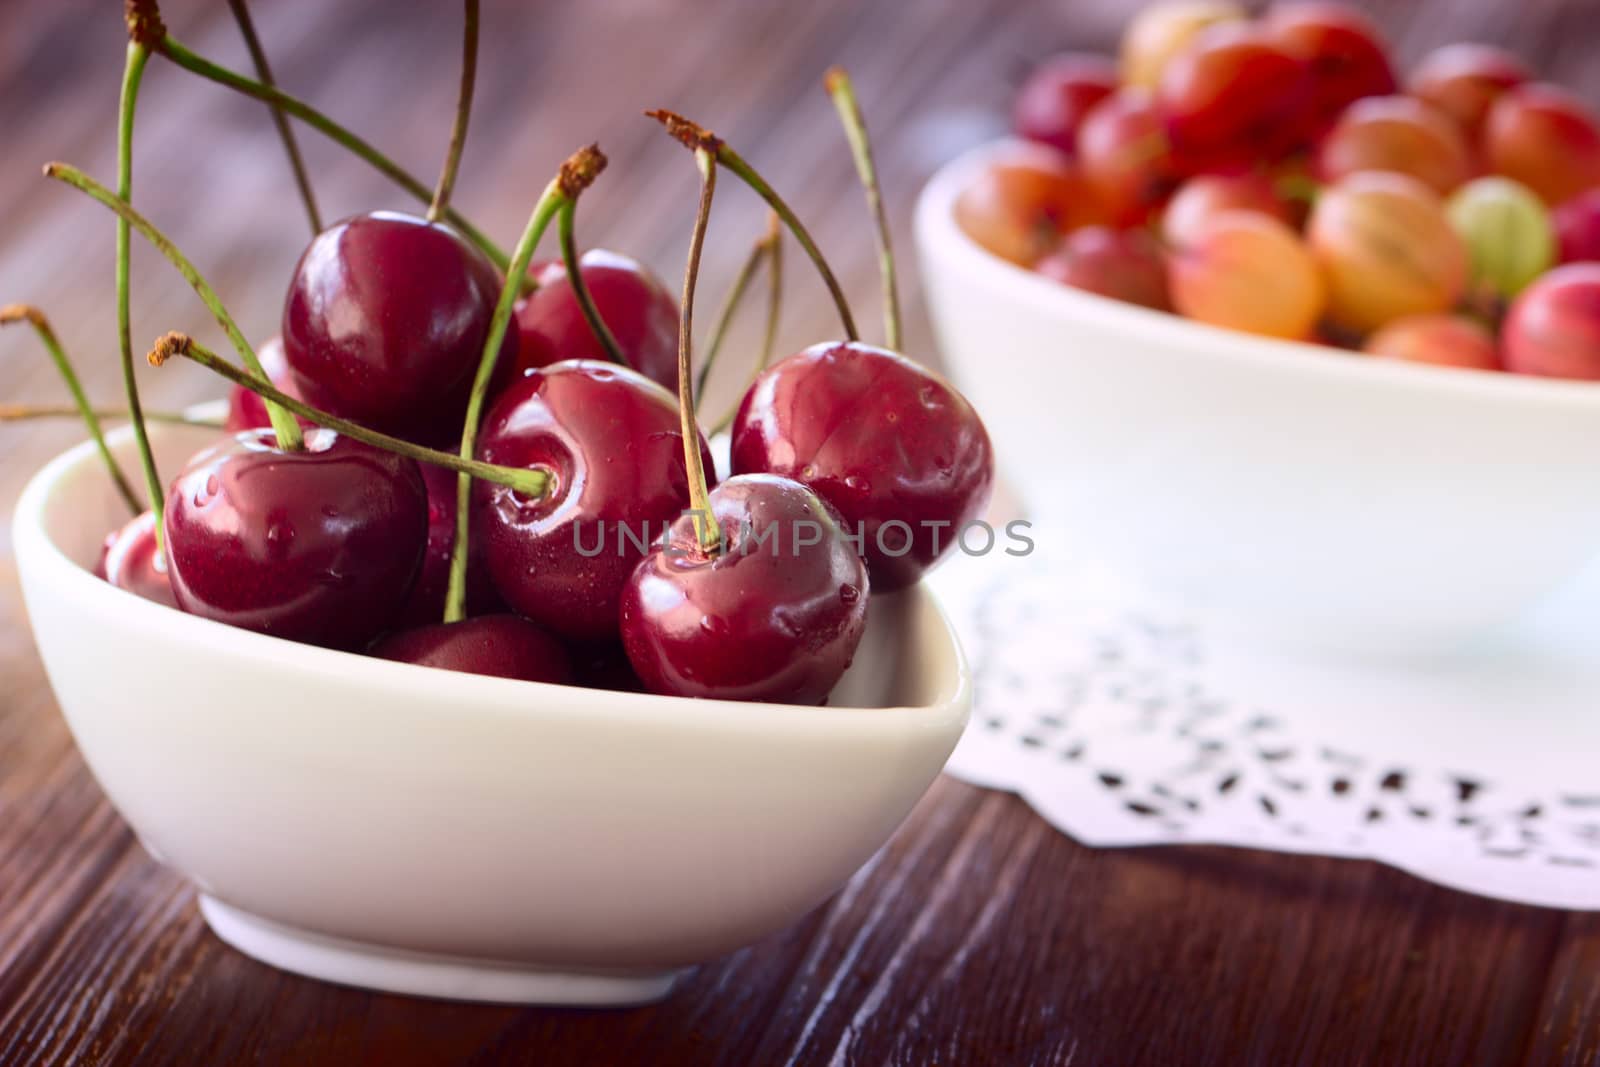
[{"x": 1313, "y": 496}]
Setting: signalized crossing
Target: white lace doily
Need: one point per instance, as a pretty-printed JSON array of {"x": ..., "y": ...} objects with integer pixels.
[{"x": 1126, "y": 725}]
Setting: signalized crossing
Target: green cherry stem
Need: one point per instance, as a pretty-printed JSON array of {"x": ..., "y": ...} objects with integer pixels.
[
  {"x": 523, "y": 480},
  {"x": 169, "y": 47},
  {"x": 576, "y": 175},
  {"x": 707, "y": 529},
  {"x": 757, "y": 255},
  {"x": 837, "y": 82},
  {"x": 695, "y": 137},
  {"x": 132, "y": 76},
  {"x": 283, "y": 423},
  {"x": 13, "y": 313},
  {"x": 769, "y": 337},
  {"x": 29, "y": 412},
  {"x": 458, "y": 130},
  {"x": 580, "y": 288},
  {"x": 258, "y": 56}
]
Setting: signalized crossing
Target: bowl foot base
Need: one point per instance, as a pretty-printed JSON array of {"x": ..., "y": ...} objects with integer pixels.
[{"x": 393, "y": 970}]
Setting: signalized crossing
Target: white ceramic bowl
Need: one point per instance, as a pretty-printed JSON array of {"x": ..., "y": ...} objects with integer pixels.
[
  {"x": 391, "y": 826},
  {"x": 1315, "y": 496}
]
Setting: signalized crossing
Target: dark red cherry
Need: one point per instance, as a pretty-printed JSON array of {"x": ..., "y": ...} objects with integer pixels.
[
  {"x": 129, "y": 560},
  {"x": 641, "y": 313},
  {"x": 386, "y": 320},
  {"x": 426, "y": 602},
  {"x": 319, "y": 545},
  {"x": 246, "y": 410},
  {"x": 1051, "y": 104},
  {"x": 610, "y": 440},
  {"x": 775, "y": 616},
  {"x": 502, "y": 646},
  {"x": 893, "y": 447}
]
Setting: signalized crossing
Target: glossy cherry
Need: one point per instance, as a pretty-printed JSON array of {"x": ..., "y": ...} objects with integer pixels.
[
  {"x": 385, "y": 323},
  {"x": 640, "y": 312},
  {"x": 1051, "y": 104},
  {"x": 426, "y": 602},
  {"x": 129, "y": 560},
  {"x": 246, "y": 410},
  {"x": 775, "y": 615},
  {"x": 319, "y": 545},
  {"x": 893, "y": 447},
  {"x": 611, "y": 442},
  {"x": 502, "y": 646}
]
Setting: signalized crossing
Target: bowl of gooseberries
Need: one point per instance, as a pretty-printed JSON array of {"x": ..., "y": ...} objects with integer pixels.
[{"x": 1283, "y": 331}]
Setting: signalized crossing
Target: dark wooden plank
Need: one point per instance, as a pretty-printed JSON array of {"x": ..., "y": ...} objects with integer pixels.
[
  {"x": 1568, "y": 1028},
  {"x": 979, "y": 935}
]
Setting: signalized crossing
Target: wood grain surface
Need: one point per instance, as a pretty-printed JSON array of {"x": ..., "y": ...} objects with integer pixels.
[{"x": 979, "y": 935}]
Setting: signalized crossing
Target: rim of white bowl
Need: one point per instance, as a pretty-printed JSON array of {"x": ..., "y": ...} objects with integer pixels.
[
  {"x": 940, "y": 237},
  {"x": 66, "y": 578}
]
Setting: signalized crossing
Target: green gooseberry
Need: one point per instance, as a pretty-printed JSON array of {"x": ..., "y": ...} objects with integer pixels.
[{"x": 1507, "y": 232}]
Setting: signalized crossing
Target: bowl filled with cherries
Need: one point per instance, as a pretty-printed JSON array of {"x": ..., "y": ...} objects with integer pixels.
[
  {"x": 1287, "y": 333},
  {"x": 440, "y": 658}
]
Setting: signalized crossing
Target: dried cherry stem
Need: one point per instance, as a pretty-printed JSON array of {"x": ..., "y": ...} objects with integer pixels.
[
  {"x": 154, "y": 36},
  {"x": 576, "y": 175},
  {"x": 580, "y": 288},
  {"x": 458, "y": 131},
  {"x": 837, "y": 82},
  {"x": 759, "y": 253},
  {"x": 530, "y": 482},
  {"x": 697, "y": 137},
  {"x": 769, "y": 338},
  {"x": 283, "y": 424},
  {"x": 258, "y": 56},
  {"x": 132, "y": 76},
  {"x": 13, "y": 313},
  {"x": 707, "y": 530},
  {"x": 29, "y": 412}
]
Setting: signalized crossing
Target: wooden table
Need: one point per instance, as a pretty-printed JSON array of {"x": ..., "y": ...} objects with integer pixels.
[{"x": 979, "y": 934}]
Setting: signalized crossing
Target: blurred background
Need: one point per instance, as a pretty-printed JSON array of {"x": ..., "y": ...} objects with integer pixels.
[{"x": 934, "y": 76}]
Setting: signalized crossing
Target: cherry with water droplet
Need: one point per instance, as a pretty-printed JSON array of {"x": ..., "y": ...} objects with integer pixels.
[
  {"x": 611, "y": 442},
  {"x": 319, "y": 545},
  {"x": 774, "y": 616},
  {"x": 638, "y": 310},
  {"x": 385, "y": 322},
  {"x": 894, "y": 448}
]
